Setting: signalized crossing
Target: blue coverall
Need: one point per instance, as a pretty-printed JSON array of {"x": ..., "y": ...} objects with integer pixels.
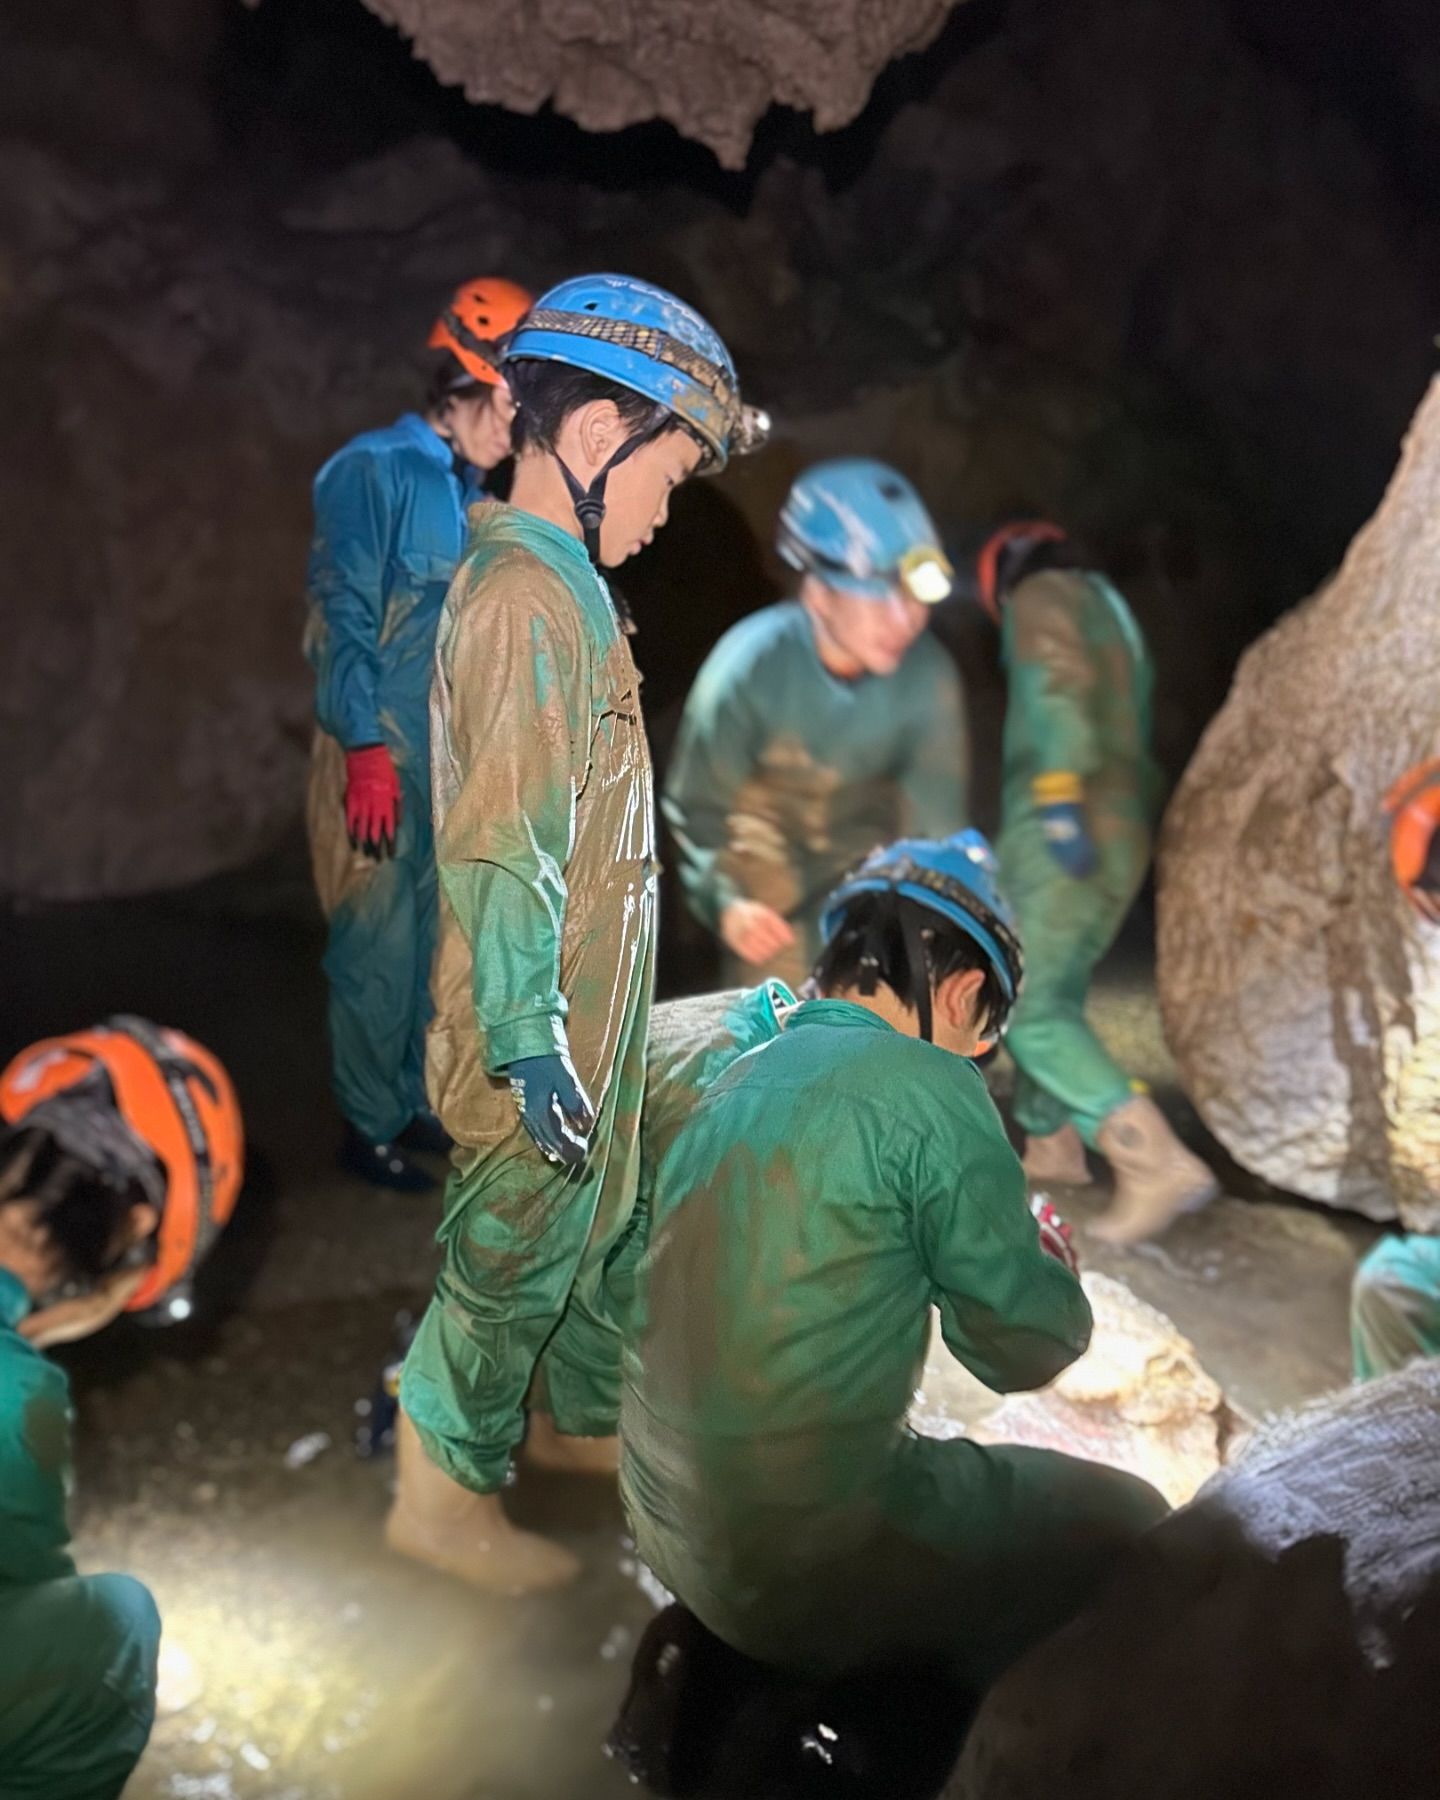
[
  {"x": 78, "y": 1653},
  {"x": 389, "y": 532}
]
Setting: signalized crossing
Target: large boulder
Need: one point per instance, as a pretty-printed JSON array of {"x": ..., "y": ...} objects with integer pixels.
[
  {"x": 710, "y": 67},
  {"x": 1281, "y": 1636},
  {"x": 1300, "y": 994}
]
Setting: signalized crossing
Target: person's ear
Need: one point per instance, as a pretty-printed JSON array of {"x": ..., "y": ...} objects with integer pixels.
[
  {"x": 144, "y": 1222},
  {"x": 957, "y": 999},
  {"x": 599, "y": 427}
]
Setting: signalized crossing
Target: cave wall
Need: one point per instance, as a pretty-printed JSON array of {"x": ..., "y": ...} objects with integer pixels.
[{"x": 1089, "y": 257}]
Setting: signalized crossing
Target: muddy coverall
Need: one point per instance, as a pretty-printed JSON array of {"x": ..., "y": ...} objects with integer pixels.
[
  {"x": 1395, "y": 1305},
  {"x": 545, "y": 849},
  {"x": 826, "y": 1191},
  {"x": 784, "y": 776},
  {"x": 1079, "y": 702},
  {"x": 389, "y": 530},
  {"x": 77, "y": 1652},
  {"x": 692, "y": 1043}
]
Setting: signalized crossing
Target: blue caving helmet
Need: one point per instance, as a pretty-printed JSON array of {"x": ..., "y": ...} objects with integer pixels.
[
  {"x": 858, "y": 525},
  {"x": 957, "y": 877},
  {"x": 648, "y": 340}
]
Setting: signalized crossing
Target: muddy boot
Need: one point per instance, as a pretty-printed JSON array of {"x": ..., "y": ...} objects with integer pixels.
[
  {"x": 436, "y": 1521},
  {"x": 1156, "y": 1177},
  {"x": 547, "y": 1448},
  {"x": 1057, "y": 1159}
]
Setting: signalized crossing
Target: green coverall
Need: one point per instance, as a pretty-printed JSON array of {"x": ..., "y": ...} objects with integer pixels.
[
  {"x": 545, "y": 845},
  {"x": 1395, "y": 1305},
  {"x": 826, "y": 1191},
  {"x": 784, "y": 776},
  {"x": 692, "y": 1043},
  {"x": 77, "y": 1652},
  {"x": 1079, "y": 702}
]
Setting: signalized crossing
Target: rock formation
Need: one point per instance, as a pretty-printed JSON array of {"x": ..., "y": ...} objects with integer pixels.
[
  {"x": 1138, "y": 1399},
  {"x": 1281, "y": 1636},
  {"x": 1300, "y": 994},
  {"x": 711, "y": 67}
]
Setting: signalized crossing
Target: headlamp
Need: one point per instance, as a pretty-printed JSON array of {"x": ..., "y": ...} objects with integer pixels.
[
  {"x": 926, "y": 575},
  {"x": 752, "y": 433}
]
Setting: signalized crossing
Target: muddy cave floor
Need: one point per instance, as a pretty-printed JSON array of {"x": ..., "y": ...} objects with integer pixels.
[{"x": 316, "y": 1666}]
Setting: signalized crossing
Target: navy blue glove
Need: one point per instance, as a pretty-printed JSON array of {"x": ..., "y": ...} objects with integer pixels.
[
  {"x": 1067, "y": 839},
  {"x": 554, "y": 1107}
]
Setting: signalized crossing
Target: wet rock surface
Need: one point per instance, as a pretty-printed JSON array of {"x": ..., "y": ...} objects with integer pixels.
[
  {"x": 1300, "y": 994},
  {"x": 711, "y": 67},
  {"x": 1110, "y": 262},
  {"x": 1281, "y": 1636}
]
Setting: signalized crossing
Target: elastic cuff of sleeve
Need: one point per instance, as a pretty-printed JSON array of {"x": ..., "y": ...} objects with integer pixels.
[
  {"x": 1058, "y": 788},
  {"x": 543, "y": 1034},
  {"x": 723, "y": 892}
]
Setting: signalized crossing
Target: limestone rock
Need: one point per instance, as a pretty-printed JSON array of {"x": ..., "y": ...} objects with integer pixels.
[
  {"x": 1300, "y": 995},
  {"x": 1280, "y": 1636},
  {"x": 1138, "y": 1399},
  {"x": 711, "y": 67}
]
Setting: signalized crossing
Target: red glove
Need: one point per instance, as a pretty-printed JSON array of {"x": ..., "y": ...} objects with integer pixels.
[
  {"x": 1055, "y": 1234},
  {"x": 372, "y": 800}
]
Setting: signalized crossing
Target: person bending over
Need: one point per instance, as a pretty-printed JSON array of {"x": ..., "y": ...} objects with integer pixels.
[{"x": 820, "y": 727}]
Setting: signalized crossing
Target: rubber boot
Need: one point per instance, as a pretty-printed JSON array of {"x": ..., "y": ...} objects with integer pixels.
[
  {"x": 426, "y": 1134},
  {"x": 1058, "y": 1158},
  {"x": 434, "y": 1520},
  {"x": 547, "y": 1448},
  {"x": 1156, "y": 1177},
  {"x": 382, "y": 1165}
]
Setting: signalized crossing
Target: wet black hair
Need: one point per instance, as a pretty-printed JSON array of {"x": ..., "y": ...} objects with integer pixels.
[
  {"x": 546, "y": 393},
  {"x": 1023, "y": 557},
  {"x": 451, "y": 380},
  {"x": 870, "y": 947},
  {"x": 82, "y": 1210}
]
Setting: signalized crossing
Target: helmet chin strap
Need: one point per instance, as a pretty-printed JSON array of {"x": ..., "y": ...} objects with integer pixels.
[
  {"x": 915, "y": 955},
  {"x": 919, "y": 963},
  {"x": 589, "y": 502}
]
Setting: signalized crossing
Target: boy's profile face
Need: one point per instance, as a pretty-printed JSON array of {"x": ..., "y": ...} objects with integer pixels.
[
  {"x": 637, "y": 494},
  {"x": 27, "y": 1250},
  {"x": 872, "y": 636},
  {"x": 31, "y": 1254},
  {"x": 478, "y": 425}
]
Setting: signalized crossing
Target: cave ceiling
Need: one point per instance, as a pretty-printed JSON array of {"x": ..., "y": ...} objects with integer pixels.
[{"x": 711, "y": 67}]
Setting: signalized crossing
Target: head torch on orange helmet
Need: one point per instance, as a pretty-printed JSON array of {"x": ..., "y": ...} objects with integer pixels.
[
  {"x": 181, "y": 1111},
  {"x": 477, "y": 324},
  {"x": 988, "y": 569}
]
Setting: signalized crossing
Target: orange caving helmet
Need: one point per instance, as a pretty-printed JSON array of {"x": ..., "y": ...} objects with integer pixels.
[
  {"x": 476, "y": 324},
  {"x": 1413, "y": 804},
  {"x": 177, "y": 1099},
  {"x": 987, "y": 564}
]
